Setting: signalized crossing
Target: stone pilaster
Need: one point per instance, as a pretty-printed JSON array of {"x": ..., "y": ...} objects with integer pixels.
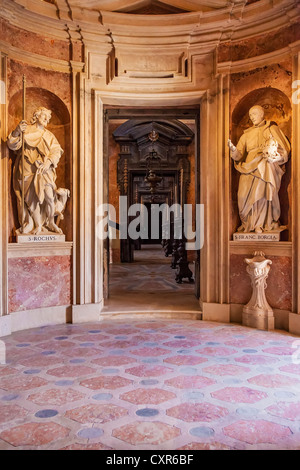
[
  {"x": 295, "y": 156},
  {"x": 4, "y": 319},
  {"x": 214, "y": 163},
  {"x": 88, "y": 194}
]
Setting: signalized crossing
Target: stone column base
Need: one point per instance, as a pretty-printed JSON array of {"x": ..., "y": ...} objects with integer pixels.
[
  {"x": 5, "y": 325},
  {"x": 215, "y": 312},
  {"x": 86, "y": 313},
  {"x": 261, "y": 321}
]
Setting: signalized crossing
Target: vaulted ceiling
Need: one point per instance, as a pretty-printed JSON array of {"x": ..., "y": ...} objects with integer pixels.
[{"x": 152, "y": 7}]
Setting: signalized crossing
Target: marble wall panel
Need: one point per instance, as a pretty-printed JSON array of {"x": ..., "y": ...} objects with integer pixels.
[
  {"x": 279, "y": 282},
  {"x": 38, "y": 282},
  {"x": 259, "y": 45},
  {"x": 32, "y": 42}
]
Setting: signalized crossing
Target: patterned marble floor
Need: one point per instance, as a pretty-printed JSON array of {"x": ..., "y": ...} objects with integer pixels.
[
  {"x": 151, "y": 385},
  {"x": 148, "y": 284},
  {"x": 150, "y": 272}
]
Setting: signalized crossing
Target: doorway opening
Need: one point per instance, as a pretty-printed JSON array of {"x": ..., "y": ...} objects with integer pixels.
[{"x": 152, "y": 163}]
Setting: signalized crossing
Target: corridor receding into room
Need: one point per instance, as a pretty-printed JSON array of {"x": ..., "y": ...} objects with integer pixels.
[
  {"x": 147, "y": 285},
  {"x": 151, "y": 163}
]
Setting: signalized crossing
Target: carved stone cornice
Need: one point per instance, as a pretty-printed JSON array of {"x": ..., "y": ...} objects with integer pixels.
[
  {"x": 35, "y": 16},
  {"x": 259, "y": 60},
  {"x": 238, "y": 20},
  {"x": 270, "y": 248},
  {"x": 36, "y": 60},
  {"x": 16, "y": 250},
  {"x": 105, "y": 36}
]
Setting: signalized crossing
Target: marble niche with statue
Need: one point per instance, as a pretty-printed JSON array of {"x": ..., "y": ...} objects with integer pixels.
[
  {"x": 258, "y": 157},
  {"x": 40, "y": 203}
]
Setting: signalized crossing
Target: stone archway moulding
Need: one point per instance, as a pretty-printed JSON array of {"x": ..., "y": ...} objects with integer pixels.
[
  {"x": 89, "y": 271},
  {"x": 90, "y": 295}
]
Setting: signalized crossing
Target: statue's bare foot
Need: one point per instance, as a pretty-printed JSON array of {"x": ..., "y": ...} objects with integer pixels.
[
  {"x": 26, "y": 229},
  {"x": 54, "y": 228},
  {"x": 37, "y": 230}
]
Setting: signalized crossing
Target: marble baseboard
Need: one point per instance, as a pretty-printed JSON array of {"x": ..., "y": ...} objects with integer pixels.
[
  {"x": 40, "y": 317},
  {"x": 236, "y": 313},
  {"x": 294, "y": 323},
  {"x": 24, "y": 320},
  {"x": 227, "y": 313},
  {"x": 281, "y": 319}
]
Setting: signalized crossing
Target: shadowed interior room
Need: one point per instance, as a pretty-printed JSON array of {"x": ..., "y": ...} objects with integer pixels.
[{"x": 149, "y": 205}]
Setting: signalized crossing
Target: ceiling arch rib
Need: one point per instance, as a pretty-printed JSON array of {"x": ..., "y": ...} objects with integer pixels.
[
  {"x": 166, "y": 6},
  {"x": 197, "y": 5},
  {"x": 152, "y": 7}
]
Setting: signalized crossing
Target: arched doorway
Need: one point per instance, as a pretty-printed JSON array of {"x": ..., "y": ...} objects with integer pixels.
[{"x": 140, "y": 274}]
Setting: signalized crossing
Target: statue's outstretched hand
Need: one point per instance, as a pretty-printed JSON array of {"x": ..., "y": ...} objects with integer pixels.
[
  {"x": 231, "y": 146},
  {"x": 44, "y": 167},
  {"x": 282, "y": 152},
  {"x": 21, "y": 127}
]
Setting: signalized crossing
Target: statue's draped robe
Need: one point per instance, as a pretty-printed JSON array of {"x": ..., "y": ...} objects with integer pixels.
[
  {"x": 260, "y": 179},
  {"x": 40, "y": 145}
]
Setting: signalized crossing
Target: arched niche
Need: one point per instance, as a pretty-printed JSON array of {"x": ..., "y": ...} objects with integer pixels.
[
  {"x": 277, "y": 107},
  {"x": 60, "y": 126}
]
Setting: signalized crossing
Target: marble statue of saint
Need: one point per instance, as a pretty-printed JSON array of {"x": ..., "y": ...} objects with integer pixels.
[
  {"x": 43, "y": 201},
  {"x": 258, "y": 157}
]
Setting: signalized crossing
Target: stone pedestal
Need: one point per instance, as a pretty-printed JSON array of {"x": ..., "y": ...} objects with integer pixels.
[
  {"x": 264, "y": 321},
  {"x": 258, "y": 313}
]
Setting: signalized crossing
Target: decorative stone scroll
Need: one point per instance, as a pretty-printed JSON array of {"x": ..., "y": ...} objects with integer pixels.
[{"x": 258, "y": 313}]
